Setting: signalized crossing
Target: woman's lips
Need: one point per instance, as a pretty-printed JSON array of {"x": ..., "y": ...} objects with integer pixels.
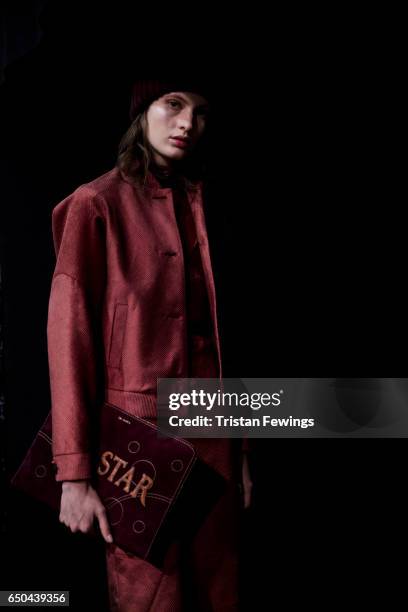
[{"x": 181, "y": 144}]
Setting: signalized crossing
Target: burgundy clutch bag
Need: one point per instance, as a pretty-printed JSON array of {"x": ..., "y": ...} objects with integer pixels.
[{"x": 139, "y": 476}]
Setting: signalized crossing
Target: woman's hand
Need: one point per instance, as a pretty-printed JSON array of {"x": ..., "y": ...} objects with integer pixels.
[
  {"x": 246, "y": 481},
  {"x": 80, "y": 505}
]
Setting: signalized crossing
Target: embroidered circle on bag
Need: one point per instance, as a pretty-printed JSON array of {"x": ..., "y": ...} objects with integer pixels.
[
  {"x": 139, "y": 526},
  {"x": 177, "y": 465},
  {"x": 40, "y": 471},
  {"x": 134, "y": 446},
  {"x": 115, "y": 510}
]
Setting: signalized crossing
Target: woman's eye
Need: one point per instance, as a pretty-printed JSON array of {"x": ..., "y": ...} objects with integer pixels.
[{"x": 173, "y": 103}]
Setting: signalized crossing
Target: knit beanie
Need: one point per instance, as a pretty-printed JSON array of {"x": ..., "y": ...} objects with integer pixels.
[{"x": 145, "y": 91}]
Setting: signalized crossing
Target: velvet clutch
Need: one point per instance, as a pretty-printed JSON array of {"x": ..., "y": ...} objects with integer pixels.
[{"x": 139, "y": 476}]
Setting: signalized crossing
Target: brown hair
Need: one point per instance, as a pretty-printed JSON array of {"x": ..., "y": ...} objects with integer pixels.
[{"x": 135, "y": 157}]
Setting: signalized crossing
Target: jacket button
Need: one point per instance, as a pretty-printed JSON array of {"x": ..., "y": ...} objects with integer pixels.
[{"x": 170, "y": 253}]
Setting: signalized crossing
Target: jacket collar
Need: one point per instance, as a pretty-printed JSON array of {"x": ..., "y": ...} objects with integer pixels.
[{"x": 155, "y": 189}]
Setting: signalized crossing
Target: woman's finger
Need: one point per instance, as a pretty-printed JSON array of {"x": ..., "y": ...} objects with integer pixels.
[{"x": 104, "y": 525}]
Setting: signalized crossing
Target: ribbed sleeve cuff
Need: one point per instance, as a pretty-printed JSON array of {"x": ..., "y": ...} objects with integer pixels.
[
  {"x": 143, "y": 405},
  {"x": 73, "y": 466}
]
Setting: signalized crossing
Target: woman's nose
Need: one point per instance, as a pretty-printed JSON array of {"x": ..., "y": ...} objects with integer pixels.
[{"x": 186, "y": 119}]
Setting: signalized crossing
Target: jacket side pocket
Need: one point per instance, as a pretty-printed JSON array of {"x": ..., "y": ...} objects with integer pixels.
[{"x": 117, "y": 335}]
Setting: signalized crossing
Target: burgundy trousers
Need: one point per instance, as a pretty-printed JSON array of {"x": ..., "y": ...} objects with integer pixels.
[{"x": 199, "y": 572}]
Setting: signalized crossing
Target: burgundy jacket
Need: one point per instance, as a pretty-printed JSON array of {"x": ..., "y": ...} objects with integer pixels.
[{"x": 117, "y": 315}]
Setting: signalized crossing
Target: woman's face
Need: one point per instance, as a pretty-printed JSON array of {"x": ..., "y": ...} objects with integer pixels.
[{"x": 175, "y": 123}]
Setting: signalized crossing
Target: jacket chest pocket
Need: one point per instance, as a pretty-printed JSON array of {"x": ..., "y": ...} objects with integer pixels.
[{"x": 117, "y": 335}]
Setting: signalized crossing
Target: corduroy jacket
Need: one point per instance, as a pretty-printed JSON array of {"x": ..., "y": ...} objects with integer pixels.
[{"x": 117, "y": 312}]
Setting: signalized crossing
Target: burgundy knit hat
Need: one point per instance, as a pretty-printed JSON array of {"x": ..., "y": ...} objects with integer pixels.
[{"x": 145, "y": 91}]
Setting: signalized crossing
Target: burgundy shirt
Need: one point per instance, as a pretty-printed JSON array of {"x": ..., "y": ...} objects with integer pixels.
[{"x": 202, "y": 356}]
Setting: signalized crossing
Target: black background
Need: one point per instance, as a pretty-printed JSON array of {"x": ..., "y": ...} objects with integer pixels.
[{"x": 307, "y": 235}]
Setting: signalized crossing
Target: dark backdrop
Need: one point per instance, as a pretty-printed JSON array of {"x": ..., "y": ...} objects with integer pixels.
[{"x": 308, "y": 251}]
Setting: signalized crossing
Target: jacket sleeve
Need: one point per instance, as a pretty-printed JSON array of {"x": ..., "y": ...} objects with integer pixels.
[{"x": 74, "y": 335}]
